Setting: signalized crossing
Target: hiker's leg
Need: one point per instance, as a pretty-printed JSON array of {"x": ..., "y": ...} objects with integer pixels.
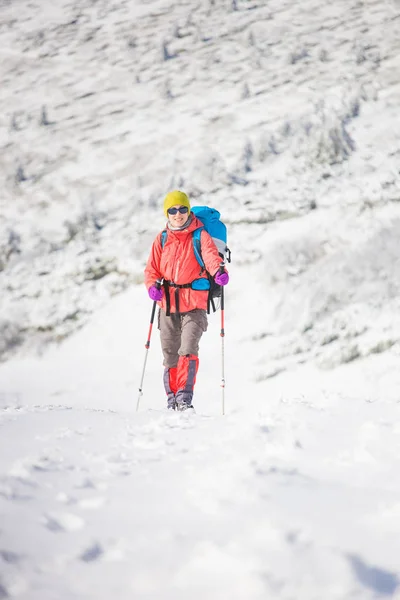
[
  {"x": 170, "y": 336},
  {"x": 194, "y": 324},
  {"x": 186, "y": 371}
]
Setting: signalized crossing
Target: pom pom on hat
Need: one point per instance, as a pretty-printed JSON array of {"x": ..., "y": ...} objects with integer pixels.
[{"x": 173, "y": 198}]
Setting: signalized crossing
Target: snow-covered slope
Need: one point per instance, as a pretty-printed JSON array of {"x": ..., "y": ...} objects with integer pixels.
[{"x": 285, "y": 116}]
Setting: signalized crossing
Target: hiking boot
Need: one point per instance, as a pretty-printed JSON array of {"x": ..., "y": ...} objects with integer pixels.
[
  {"x": 172, "y": 405},
  {"x": 183, "y": 400},
  {"x": 185, "y": 407}
]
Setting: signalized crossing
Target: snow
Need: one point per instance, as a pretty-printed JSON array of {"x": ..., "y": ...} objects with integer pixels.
[
  {"x": 285, "y": 117},
  {"x": 293, "y": 493}
]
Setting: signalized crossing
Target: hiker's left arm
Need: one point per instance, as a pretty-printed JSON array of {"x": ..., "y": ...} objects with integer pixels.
[{"x": 209, "y": 252}]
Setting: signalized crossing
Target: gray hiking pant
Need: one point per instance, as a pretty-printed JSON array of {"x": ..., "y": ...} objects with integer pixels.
[{"x": 180, "y": 334}]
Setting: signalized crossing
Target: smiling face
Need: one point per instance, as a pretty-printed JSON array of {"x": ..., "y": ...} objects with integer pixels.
[{"x": 178, "y": 219}]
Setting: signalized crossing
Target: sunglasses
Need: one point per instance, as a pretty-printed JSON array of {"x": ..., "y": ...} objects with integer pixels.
[{"x": 181, "y": 209}]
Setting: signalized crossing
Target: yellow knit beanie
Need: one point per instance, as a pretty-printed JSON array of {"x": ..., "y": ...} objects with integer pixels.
[{"x": 173, "y": 198}]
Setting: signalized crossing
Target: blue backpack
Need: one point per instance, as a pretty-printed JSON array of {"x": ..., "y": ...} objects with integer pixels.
[{"x": 210, "y": 217}]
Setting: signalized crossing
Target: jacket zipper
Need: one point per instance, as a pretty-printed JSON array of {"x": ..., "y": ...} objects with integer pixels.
[{"x": 177, "y": 270}]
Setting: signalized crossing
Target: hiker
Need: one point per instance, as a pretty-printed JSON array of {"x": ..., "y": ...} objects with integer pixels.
[{"x": 182, "y": 316}]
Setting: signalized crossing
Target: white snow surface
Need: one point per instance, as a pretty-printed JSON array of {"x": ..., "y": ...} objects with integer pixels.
[
  {"x": 294, "y": 493},
  {"x": 284, "y": 116}
]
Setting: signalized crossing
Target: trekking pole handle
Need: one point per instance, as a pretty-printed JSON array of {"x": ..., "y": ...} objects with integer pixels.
[{"x": 153, "y": 312}]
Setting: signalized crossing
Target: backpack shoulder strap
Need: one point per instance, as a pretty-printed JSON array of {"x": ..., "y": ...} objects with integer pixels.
[
  {"x": 196, "y": 236},
  {"x": 197, "y": 252}
]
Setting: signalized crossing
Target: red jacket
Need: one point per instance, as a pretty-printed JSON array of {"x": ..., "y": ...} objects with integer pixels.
[{"x": 176, "y": 262}]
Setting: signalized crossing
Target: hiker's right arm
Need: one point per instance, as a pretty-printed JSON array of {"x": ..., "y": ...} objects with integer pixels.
[{"x": 152, "y": 271}]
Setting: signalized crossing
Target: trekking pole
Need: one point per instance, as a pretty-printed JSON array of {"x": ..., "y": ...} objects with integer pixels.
[
  {"x": 147, "y": 345},
  {"x": 222, "y": 342}
]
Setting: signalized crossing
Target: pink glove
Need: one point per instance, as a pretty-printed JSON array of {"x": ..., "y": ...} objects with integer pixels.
[
  {"x": 221, "y": 278},
  {"x": 155, "y": 293}
]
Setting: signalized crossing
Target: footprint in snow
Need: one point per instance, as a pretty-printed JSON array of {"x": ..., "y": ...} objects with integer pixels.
[
  {"x": 91, "y": 503},
  {"x": 113, "y": 551},
  {"x": 26, "y": 469},
  {"x": 9, "y": 557},
  {"x": 379, "y": 580},
  {"x": 89, "y": 483},
  {"x": 92, "y": 553},
  {"x": 15, "y": 490},
  {"x": 63, "y": 522}
]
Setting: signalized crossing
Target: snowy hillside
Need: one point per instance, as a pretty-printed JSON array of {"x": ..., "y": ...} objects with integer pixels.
[{"x": 285, "y": 116}]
